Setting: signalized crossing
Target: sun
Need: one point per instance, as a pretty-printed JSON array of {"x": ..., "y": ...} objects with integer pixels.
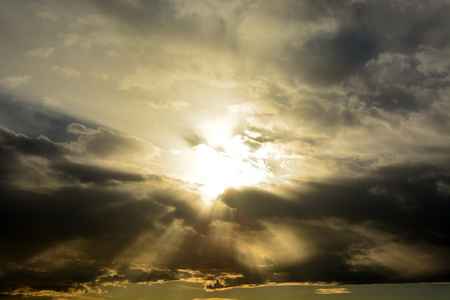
[{"x": 231, "y": 163}]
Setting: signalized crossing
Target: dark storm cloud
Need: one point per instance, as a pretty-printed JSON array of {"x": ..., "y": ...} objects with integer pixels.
[
  {"x": 70, "y": 236},
  {"x": 391, "y": 81},
  {"x": 328, "y": 57},
  {"x": 63, "y": 237},
  {"x": 15, "y": 147},
  {"x": 425, "y": 31},
  {"x": 327, "y": 60},
  {"x": 324, "y": 116},
  {"x": 97, "y": 224},
  {"x": 407, "y": 203},
  {"x": 402, "y": 199},
  {"x": 367, "y": 29},
  {"x": 40, "y": 146},
  {"x": 401, "y": 26}
]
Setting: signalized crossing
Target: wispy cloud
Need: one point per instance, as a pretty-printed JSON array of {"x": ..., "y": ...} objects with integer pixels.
[
  {"x": 49, "y": 101},
  {"x": 213, "y": 299},
  {"x": 68, "y": 72},
  {"x": 332, "y": 291},
  {"x": 44, "y": 52},
  {"x": 14, "y": 81}
]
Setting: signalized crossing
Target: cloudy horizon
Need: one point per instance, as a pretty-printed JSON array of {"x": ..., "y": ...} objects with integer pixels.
[{"x": 224, "y": 149}]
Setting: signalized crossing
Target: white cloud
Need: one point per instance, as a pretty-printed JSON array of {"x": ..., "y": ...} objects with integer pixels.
[
  {"x": 44, "y": 52},
  {"x": 253, "y": 107},
  {"x": 332, "y": 291},
  {"x": 14, "y": 81},
  {"x": 388, "y": 58},
  {"x": 47, "y": 15},
  {"x": 175, "y": 105},
  {"x": 433, "y": 60},
  {"x": 70, "y": 38},
  {"x": 94, "y": 20},
  {"x": 103, "y": 76},
  {"x": 164, "y": 73},
  {"x": 76, "y": 128},
  {"x": 49, "y": 101},
  {"x": 100, "y": 38},
  {"x": 45, "y": 12},
  {"x": 68, "y": 72},
  {"x": 213, "y": 299}
]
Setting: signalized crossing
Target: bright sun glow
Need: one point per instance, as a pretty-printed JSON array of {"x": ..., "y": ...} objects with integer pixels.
[{"x": 232, "y": 164}]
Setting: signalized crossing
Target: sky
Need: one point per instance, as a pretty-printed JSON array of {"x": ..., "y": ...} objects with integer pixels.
[{"x": 224, "y": 150}]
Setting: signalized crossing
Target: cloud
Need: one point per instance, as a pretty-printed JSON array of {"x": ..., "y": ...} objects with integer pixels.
[
  {"x": 433, "y": 60},
  {"x": 358, "y": 239},
  {"x": 20, "y": 143},
  {"x": 35, "y": 120},
  {"x": 344, "y": 107},
  {"x": 55, "y": 241},
  {"x": 14, "y": 81},
  {"x": 90, "y": 20},
  {"x": 213, "y": 299},
  {"x": 68, "y": 72},
  {"x": 408, "y": 260},
  {"x": 103, "y": 76},
  {"x": 360, "y": 226},
  {"x": 86, "y": 173},
  {"x": 105, "y": 144},
  {"x": 168, "y": 105},
  {"x": 61, "y": 157},
  {"x": 49, "y": 101},
  {"x": 101, "y": 212},
  {"x": 320, "y": 206},
  {"x": 44, "y": 52},
  {"x": 332, "y": 291},
  {"x": 80, "y": 129},
  {"x": 328, "y": 60},
  {"x": 167, "y": 72},
  {"x": 45, "y": 12},
  {"x": 87, "y": 42}
]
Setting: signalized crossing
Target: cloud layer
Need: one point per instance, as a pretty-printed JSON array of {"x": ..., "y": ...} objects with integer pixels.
[{"x": 342, "y": 108}]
